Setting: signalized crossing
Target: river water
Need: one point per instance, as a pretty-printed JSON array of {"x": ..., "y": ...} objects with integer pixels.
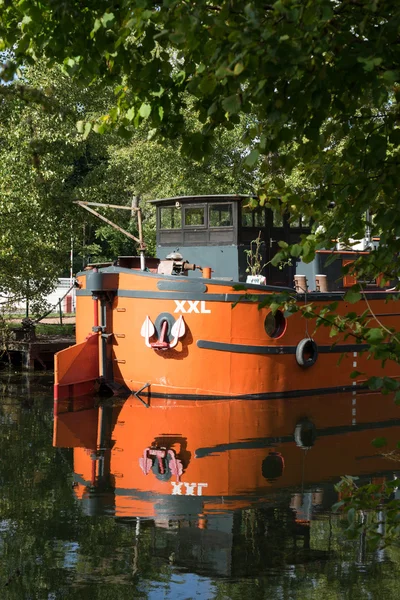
[{"x": 106, "y": 499}]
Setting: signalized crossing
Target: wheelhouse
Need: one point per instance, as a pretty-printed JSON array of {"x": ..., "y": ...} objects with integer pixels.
[{"x": 218, "y": 231}]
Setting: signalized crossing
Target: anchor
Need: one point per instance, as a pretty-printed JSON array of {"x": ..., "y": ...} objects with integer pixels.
[{"x": 148, "y": 329}]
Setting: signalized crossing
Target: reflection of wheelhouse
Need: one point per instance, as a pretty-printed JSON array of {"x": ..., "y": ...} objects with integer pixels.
[{"x": 217, "y": 231}]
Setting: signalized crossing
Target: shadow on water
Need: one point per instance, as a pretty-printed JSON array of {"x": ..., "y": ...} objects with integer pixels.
[{"x": 227, "y": 499}]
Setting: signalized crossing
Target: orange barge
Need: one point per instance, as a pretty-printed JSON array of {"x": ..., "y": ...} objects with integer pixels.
[{"x": 168, "y": 328}]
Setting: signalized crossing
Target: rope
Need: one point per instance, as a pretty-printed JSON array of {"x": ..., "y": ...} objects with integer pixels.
[{"x": 305, "y": 302}]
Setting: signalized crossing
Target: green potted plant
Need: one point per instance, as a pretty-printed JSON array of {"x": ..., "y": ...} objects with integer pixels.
[{"x": 255, "y": 263}]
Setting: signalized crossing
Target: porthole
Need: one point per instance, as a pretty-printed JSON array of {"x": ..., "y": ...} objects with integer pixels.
[{"x": 275, "y": 324}]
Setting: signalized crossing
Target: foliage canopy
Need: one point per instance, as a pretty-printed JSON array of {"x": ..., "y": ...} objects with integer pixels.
[{"x": 319, "y": 78}]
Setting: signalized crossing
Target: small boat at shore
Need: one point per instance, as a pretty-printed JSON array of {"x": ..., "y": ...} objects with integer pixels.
[{"x": 179, "y": 326}]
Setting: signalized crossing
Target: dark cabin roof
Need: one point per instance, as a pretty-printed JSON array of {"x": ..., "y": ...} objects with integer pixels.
[{"x": 204, "y": 198}]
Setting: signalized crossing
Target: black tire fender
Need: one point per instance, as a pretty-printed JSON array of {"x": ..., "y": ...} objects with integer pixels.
[{"x": 306, "y": 353}]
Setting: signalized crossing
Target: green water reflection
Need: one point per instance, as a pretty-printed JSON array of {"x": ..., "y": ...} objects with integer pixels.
[{"x": 54, "y": 546}]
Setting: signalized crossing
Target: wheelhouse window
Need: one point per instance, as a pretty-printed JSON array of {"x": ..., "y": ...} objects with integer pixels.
[
  {"x": 195, "y": 216},
  {"x": 300, "y": 222},
  {"x": 277, "y": 219},
  {"x": 220, "y": 215},
  {"x": 305, "y": 222},
  {"x": 294, "y": 222},
  {"x": 253, "y": 217},
  {"x": 170, "y": 217}
]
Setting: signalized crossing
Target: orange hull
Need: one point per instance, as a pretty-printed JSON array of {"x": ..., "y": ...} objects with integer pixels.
[
  {"x": 231, "y": 453},
  {"x": 224, "y": 352}
]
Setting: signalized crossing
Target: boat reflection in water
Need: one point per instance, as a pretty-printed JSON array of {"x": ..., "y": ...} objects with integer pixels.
[{"x": 191, "y": 465}]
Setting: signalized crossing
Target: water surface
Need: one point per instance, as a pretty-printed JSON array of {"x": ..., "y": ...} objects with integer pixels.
[{"x": 214, "y": 500}]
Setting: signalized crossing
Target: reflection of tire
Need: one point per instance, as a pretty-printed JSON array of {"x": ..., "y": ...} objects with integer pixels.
[
  {"x": 306, "y": 353},
  {"x": 305, "y": 434}
]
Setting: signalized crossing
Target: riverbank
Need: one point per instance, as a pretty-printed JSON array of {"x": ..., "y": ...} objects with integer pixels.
[{"x": 34, "y": 347}]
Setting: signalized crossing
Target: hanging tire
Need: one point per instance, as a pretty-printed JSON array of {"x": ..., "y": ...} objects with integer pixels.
[
  {"x": 305, "y": 434},
  {"x": 306, "y": 353}
]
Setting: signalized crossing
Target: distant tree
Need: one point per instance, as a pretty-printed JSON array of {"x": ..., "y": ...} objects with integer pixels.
[{"x": 46, "y": 164}]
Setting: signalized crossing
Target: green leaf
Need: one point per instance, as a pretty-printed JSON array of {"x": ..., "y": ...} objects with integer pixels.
[
  {"x": 159, "y": 93},
  {"x": 276, "y": 259},
  {"x": 296, "y": 250},
  {"x": 130, "y": 113},
  {"x": 351, "y": 515},
  {"x": 338, "y": 505},
  {"x": 239, "y": 68},
  {"x": 375, "y": 335},
  {"x": 96, "y": 27},
  {"x": 26, "y": 20},
  {"x": 145, "y": 110},
  {"x": 390, "y": 384},
  {"x": 80, "y": 125},
  {"x": 87, "y": 129},
  {"x": 222, "y": 72},
  {"x": 333, "y": 331},
  {"x": 307, "y": 252},
  {"x": 391, "y": 76},
  {"x": 107, "y": 19},
  {"x": 352, "y": 296},
  {"x": 99, "y": 128},
  {"x": 327, "y": 12},
  {"x": 370, "y": 63},
  {"x": 333, "y": 306},
  {"x": 379, "y": 442},
  {"x": 252, "y": 158},
  {"x": 208, "y": 84},
  {"x": 274, "y": 306},
  {"x": 355, "y": 374},
  {"x": 232, "y": 104},
  {"x": 375, "y": 383},
  {"x": 177, "y": 38}
]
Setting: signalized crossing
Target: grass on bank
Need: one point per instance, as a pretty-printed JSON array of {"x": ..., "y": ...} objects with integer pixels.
[
  {"x": 55, "y": 329},
  {"x": 67, "y": 329}
]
